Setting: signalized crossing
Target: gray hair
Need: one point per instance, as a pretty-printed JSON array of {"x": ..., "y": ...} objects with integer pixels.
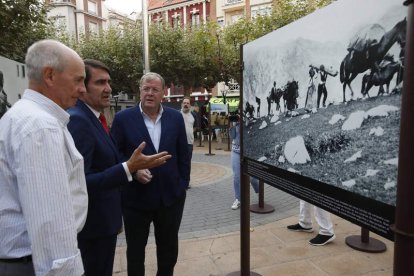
[
  {"x": 45, "y": 53},
  {"x": 152, "y": 76}
]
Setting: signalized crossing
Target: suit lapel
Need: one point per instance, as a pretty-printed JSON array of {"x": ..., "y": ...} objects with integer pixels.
[
  {"x": 141, "y": 128},
  {"x": 164, "y": 124},
  {"x": 99, "y": 129}
]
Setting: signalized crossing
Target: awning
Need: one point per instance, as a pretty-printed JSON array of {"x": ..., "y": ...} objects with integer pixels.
[{"x": 217, "y": 104}]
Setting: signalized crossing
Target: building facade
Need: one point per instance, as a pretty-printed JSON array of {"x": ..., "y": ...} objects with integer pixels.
[
  {"x": 83, "y": 17},
  {"x": 179, "y": 12}
]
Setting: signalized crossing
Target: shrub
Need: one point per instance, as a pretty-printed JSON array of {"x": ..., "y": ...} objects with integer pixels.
[{"x": 326, "y": 143}]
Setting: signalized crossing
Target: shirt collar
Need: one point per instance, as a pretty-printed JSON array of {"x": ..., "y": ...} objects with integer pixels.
[
  {"x": 48, "y": 105},
  {"x": 143, "y": 113},
  {"x": 94, "y": 111}
]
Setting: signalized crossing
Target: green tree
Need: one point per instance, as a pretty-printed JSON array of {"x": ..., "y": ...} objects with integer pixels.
[
  {"x": 185, "y": 56},
  {"x": 121, "y": 51},
  {"x": 22, "y": 22}
]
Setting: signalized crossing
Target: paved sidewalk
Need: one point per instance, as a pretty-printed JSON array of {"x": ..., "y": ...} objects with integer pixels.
[{"x": 210, "y": 240}]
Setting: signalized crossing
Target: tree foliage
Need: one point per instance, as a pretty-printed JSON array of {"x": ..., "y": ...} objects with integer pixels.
[
  {"x": 189, "y": 57},
  {"x": 22, "y": 22},
  {"x": 121, "y": 51},
  {"x": 185, "y": 56}
]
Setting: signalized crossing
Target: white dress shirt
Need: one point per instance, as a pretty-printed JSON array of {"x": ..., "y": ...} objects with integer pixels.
[
  {"x": 43, "y": 196},
  {"x": 154, "y": 129}
]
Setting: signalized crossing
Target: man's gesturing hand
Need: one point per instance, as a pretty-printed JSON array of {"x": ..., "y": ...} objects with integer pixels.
[{"x": 139, "y": 161}]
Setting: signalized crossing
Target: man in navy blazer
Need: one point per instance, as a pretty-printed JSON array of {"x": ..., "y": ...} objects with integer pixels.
[
  {"x": 105, "y": 173},
  {"x": 161, "y": 200}
]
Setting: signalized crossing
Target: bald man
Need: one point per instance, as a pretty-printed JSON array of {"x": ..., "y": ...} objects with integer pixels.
[{"x": 42, "y": 181}]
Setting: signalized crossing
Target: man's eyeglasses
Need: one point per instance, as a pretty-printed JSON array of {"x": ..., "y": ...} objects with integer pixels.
[{"x": 147, "y": 89}]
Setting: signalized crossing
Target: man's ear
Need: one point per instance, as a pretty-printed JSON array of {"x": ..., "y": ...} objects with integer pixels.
[{"x": 48, "y": 75}]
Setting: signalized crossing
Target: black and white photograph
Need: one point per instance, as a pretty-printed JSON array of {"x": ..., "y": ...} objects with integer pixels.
[{"x": 329, "y": 89}]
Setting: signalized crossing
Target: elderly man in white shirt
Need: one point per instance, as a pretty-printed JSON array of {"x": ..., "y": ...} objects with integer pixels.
[{"x": 43, "y": 197}]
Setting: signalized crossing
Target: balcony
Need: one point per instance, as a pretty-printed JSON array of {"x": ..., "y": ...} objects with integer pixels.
[
  {"x": 232, "y": 2},
  {"x": 62, "y": 1}
]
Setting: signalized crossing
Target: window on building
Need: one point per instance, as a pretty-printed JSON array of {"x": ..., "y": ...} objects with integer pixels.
[
  {"x": 60, "y": 1},
  {"x": 220, "y": 21},
  {"x": 195, "y": 19},
  {"x": 92, "y": 7},
  {"x": 176, "y": 21},
  {"x": 235, "y": 17},
  {"x": 23, "y": 72},
  {"x": 93, "y": 27},
  {"x": 59, "y": 21},
  {"x": 232, "y": 2},
  {"x": 262, "y": 10},
  {"x": 158, "y": 19}
]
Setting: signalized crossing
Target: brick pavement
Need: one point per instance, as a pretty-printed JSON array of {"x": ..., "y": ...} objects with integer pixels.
[
  {"x": 208, "y": 205},
  {"x": 210, "y": 237}
]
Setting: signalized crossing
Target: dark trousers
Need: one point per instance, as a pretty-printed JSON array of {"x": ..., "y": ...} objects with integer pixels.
[
  {"x": 98, "y": 255},
  {"x": 322, "y": 90},
  {"x": 17, "y": 269},
  {"x": 190, "y": 151},
  {"x": 167, "y": 222}
]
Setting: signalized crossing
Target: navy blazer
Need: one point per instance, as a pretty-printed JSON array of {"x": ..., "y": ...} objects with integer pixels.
[
  {"x": 169, "y": 180},
  {"x": 104, "y": 172}
]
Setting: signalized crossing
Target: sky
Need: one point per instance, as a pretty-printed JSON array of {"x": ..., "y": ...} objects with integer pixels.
[{"x": 125, "y": 6}]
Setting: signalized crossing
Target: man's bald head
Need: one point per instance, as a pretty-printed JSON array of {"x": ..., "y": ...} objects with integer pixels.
[{"x": 47, "y": 53}]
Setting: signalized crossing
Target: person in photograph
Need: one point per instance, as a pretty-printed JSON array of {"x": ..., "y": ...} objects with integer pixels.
[
  {"x": 105, "y": 173},
  {"x": 323, "y": 75},
  {"x": 323, "y": 218},
  {"x": 310, "y": 105},
  {"x": 42, "y": 181},
  {"x": 270, "y": 98},
  {"x": 234, "y": 133},
  {"x": 161, "y": 200},
  {"x": 258, "y": 101}
]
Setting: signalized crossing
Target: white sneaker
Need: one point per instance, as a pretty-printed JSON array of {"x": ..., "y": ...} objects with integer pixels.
[{"x": 236, "y": 205}]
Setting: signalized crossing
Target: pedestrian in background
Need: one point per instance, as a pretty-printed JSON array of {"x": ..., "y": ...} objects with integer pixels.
[
  {"x": 189, "y": 121},
  {"x": 234, "y": 133},
  {"x": 105, "y": 173},
  {"x": 42, "y": 181},
  {"x": 161, "y": 200},
  {"x": 323, "y": 218}
]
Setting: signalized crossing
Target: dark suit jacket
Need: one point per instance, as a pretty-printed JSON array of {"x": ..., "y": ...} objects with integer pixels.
[
  {"x": 170, "y": 180},
  {"x": 104, "y": 172}
]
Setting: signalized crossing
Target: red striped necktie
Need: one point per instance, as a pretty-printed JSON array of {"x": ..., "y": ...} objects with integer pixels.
[{"x": 103, "y": 122}]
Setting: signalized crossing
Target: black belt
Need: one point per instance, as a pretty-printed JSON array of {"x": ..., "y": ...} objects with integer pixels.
[{"x": 25, "y": 259}]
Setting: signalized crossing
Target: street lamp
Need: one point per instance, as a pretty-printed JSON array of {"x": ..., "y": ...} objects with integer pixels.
[
  {"x": 116, "y": 98},
  {"x": 224, "y": 94},
  {"x": 145, "y": 35}
]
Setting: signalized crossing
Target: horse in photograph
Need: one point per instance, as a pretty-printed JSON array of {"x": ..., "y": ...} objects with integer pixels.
[
  {"x": 274, "y": 97},
  {"x": 367, "y": 54},
  {"x": 248, "y": 111},
  {"x": 381, "y": 77},
  {"x": 290, "y": 95}
]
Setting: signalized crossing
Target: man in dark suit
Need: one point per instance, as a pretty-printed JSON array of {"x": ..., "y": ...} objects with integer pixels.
[
  {"x": 105, "y": 173},
  {"x": 161, "y": 201}
]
